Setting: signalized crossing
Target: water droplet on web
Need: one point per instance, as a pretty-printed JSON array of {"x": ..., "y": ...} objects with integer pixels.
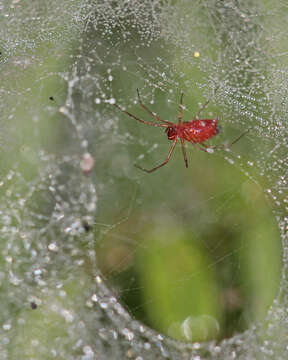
[
  {"x": 231, "y": 161},
  {"x": 87, "y": 163},
  {"x": 6, "y": 327},
  {"x": 112, "y": 101},
  {"x": 68, "y": 316},
  {"x": 53, "y": 247}
]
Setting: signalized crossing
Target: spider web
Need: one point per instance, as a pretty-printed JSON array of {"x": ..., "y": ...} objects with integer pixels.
[{"x": 101, "y": 260}]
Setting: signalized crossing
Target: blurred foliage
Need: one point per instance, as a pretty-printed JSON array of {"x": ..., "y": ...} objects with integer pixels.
[{"x": 198, "y": 256}]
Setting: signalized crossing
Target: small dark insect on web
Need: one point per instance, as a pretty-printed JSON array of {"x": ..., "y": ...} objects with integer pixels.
[{"x": 195, "y": 131}]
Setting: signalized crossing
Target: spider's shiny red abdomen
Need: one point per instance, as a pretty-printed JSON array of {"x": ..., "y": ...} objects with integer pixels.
[{"x": 196, "y": 131}]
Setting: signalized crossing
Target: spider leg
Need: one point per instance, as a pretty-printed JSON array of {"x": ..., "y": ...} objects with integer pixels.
[
  {"x": 181, "y": 109},
  {"x": 140, "y": 120},
  {"x": 198, "y": 146},
  {"x": 164, "y": 162},
  {"x": 203, "y": 107},
  {"x": 149, "y": 111},
  {"x": 239, "y": 137},
  {"x": 205, "y": 147},
  {"x": 184, "y": 152}
]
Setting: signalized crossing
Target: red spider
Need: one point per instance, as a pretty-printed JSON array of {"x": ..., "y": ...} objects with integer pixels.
[{"x": 195, "y": 131}]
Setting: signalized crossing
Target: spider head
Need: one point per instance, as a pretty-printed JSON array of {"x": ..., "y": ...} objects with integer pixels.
[{"x": 171, "y": 132}]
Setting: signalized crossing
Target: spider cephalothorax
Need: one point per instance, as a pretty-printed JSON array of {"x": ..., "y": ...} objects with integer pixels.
[{"x": 171, "y": 132}]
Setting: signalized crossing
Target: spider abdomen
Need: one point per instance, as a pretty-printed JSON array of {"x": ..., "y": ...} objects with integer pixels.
[{"x": 198, "y": 131}]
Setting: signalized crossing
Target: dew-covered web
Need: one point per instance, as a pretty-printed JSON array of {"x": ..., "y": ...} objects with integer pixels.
[{"x": 100, "y": 260}]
